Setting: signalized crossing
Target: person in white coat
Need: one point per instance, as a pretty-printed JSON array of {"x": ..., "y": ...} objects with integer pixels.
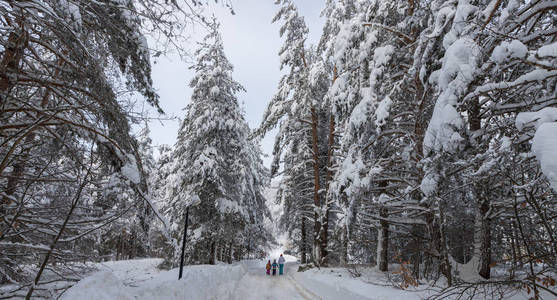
[{"x": 281, "y": 262}]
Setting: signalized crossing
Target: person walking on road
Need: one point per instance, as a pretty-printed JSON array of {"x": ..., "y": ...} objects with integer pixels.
[
  {"x": 274, "y": 267},
  {"x": 268, "y": 267},
  {"x": 281, "y": 264}
]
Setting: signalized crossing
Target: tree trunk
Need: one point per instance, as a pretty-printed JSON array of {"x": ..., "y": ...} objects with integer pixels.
[
  {"x": 485, "y": 239},
  {"x": 513, "y": 251},
  {"x": 221, "y": 246},
  {"x": 445, "y": 263},
  {"x": 325, "y": 222},
  {"x": 324, "y": 237},
  {"x": 249, "y": 249},
  {"x": 230, "y": 253},
  {"x": 517, "y": 242},
  {"x": 303, "y": 243},
  {"x": 383, "y": 242},
  {"x": 383, "y": 234},
  {"x": 11, "y": 61},
  {"x": 317, "y": 214},
  {"x": 432, "y": 257},
  {"x": 482, "y": 239},
  {"x": 344, "y": 246},
  {"x": 417, "y": 257},
  {"x": 213, "y": 253}
]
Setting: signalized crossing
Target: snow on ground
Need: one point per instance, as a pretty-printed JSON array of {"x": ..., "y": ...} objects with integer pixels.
[
  {"x": 245, "y": 280},
  {"x": 338, "y": 283},
  {"x": 140, "y": 279},
  {"x": 257, "y": 285}
]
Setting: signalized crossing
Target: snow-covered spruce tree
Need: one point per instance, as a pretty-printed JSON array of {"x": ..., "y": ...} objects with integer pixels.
[
  {"x": 216, "y": 166},
  {"x": 337, "y": 13},
  {"x": 144, "y": 214},
  {"x": 162, "y": 245},
  {"x": 375, "y": 107},
  {"x": 298, "y": 106},
  {"x": 295, "y": 191}
]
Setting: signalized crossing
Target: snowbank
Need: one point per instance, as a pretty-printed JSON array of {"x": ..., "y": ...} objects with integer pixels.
[
  {"x": 103, "y": 285},
  {"x": 199, "y": 282},
  {"x": 338, "y": 283},
  {"x": 138, "y": 279}
]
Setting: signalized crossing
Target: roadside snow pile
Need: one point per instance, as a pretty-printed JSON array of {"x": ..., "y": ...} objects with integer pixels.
[
  {"x": 199, "y": 282},
  {"x": 134, "y": 280},
  {"x": 338, "y": 283},
  {"x": 103, "y": 285}
]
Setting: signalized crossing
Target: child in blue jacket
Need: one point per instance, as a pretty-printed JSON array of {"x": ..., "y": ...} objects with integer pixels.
[{"x": 275, "y": 265}]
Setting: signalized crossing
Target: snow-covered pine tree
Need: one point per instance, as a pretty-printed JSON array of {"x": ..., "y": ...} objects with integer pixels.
[
  {"x": 217, "y": 169},
  {"x": 162, "y": 245},
  {"x": 299, "y": 107},
  {"x": 374, "y": 108}
]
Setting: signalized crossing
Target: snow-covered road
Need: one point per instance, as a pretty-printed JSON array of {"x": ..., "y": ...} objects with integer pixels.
[
  {"x": 141, "y": 280},
  {"x": 257, "y": 285}
]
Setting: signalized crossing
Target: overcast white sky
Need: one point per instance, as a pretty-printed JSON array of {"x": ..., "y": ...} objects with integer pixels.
[{"x": 251, "y": 43}]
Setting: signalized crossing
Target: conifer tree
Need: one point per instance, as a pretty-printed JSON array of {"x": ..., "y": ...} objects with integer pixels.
[{"x": 216, "y": 169}]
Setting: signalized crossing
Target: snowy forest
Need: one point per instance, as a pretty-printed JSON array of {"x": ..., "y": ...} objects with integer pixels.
[{"x": 416, "y": 138}]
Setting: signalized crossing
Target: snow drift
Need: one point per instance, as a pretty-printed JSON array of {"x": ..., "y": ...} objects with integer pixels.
[{"x": 198, "y": 282}]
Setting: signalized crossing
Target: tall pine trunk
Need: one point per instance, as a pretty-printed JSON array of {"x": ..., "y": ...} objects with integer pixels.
[
  {"x": 330, "y": 151},
  {"x": 482, "y": 238},
  {"x": 317, "y": 214}
]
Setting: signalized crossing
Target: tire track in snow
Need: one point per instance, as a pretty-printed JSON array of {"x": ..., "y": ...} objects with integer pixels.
[
  {"x": 255, "y": 285},
  {"x": 302, "y": 290}
]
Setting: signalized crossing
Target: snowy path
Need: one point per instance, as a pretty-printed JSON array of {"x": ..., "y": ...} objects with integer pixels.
[
  {"x": 257, "y": 285},
  {"x": 141, "y": 280}
]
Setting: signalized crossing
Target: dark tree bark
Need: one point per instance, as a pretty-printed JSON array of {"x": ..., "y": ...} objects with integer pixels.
[
  {"x": 417, "y": 256},
  {"x": 383, "y": 242},
  {"x": 445, "y": 266},
  {"x": 303, "y": 248},
  {"x": 213, "y": 253},
  {"x": 13, "y": 55},
  {"x": 485, "y": 231}
]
